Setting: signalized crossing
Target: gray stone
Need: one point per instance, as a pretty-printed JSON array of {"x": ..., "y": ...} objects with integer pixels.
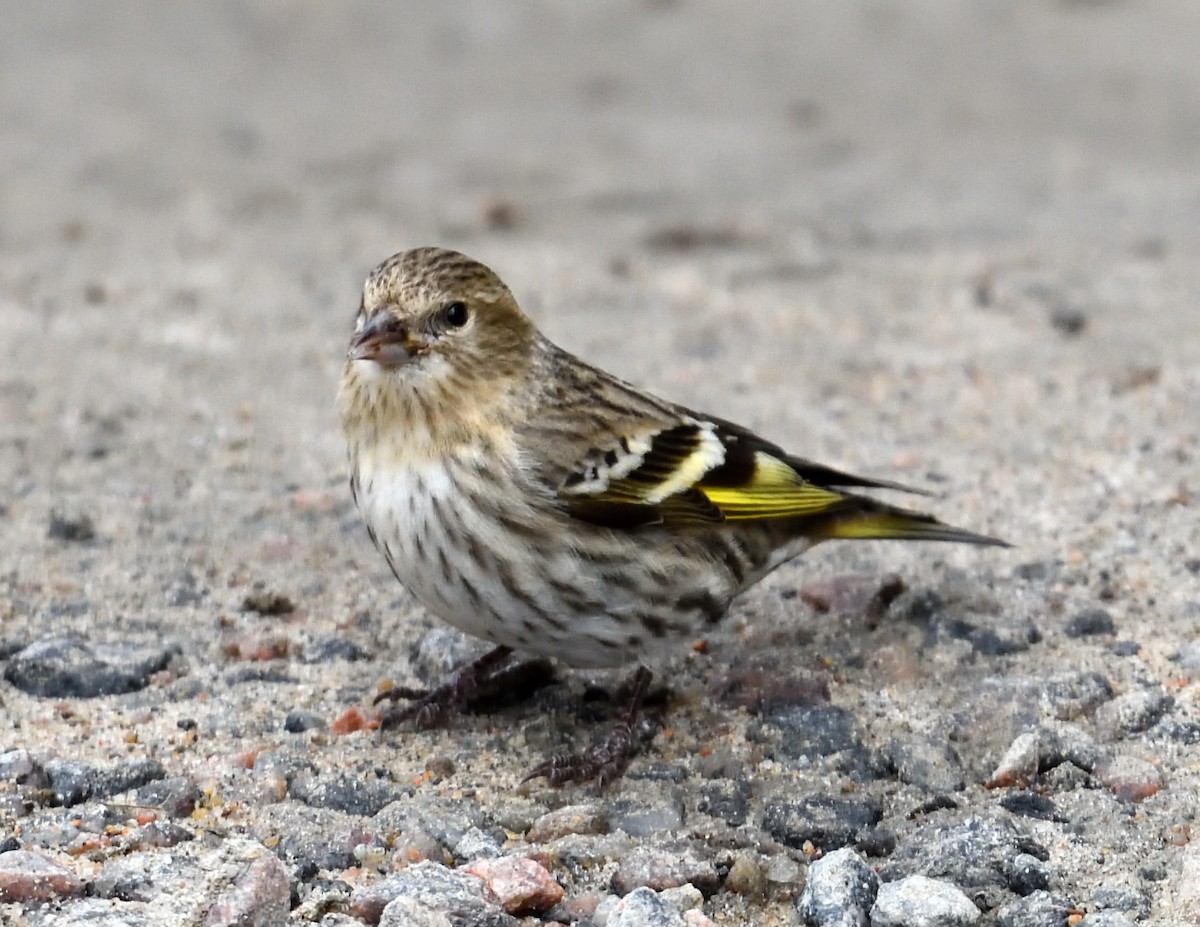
[
  {"x": 1132, "y": 712},
  {"x": 839, "y": 891},
  {"x": 727, "y": 799},
  {"x": 65, "y": 667},
  {"x": 1028, "y": 874},
  {"x": 918, "y": 901},
  {"x": 1089, "y": 622},
  {"x": 298, "y": 721},
  {"x": 1188, "y": 656},
  {"x": 661, "y": 868},
  {"x": 1073, "y": 695},
  {"x": 979, "y": 854},
  {"x": 1038, "y": 909},
  {"x": 1060, "y": 742},
  {"x": 351, "y": 794},
  {"x": 657, "y": 810},
  {"x": 476, "y": 844},
  {"x": 826, "y": 822},
  {"x": 433, "y": 887},
  {"x": 1105, "y": 919},
  {"x": 933, "y": 766},
  {"x": 643, "y": 908},
  {"x": 17, "y": 766},
  {"x": 261, "y": 897},
  {"x": 445, "y": 818},
  {"x": 320, "y": 835}
]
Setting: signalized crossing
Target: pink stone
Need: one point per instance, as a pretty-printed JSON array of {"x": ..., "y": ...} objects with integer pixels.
[
  {"x": 259, "y": 898},
  {"x": 521, "y": 885},
  {"x": 27, "y": 876},
  {"x": 1130, "y": 779}
]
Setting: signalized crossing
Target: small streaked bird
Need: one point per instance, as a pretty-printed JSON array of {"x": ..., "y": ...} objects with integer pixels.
[{"x": 544, "y": 505}]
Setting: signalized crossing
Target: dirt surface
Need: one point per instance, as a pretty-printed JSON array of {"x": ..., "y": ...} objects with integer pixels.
[{"x": 949, "y": 244}]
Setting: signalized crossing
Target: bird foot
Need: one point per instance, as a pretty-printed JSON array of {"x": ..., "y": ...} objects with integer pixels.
[
  {"x": 479, "y": 682},
  {"x": 609, "y": 753}
]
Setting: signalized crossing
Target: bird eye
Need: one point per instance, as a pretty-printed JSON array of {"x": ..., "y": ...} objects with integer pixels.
[{"x": 455, "y": 314}]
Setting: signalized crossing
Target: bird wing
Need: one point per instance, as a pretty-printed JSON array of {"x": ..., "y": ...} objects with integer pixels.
[
  {"x": 695, "y": 471},
  {"x": 704, "y": 471},
  {"x": 621, "y": 458}
]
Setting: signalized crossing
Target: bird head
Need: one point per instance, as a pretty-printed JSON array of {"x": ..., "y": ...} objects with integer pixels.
[{"x": 436, "y": 332}]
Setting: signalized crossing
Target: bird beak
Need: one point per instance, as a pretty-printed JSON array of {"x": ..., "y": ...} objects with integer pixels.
[{"x": 383, "y": 340}]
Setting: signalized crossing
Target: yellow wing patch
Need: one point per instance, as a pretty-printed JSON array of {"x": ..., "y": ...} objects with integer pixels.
[{"x": 774, "y": 490}]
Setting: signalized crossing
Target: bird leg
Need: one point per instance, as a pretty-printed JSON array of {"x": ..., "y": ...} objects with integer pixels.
[
  {"x": 610, "y": 751},
  {"x": 462, "y": 688}
]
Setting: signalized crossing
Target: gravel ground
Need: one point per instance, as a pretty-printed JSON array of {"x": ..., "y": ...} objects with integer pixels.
[{"x": 950, "y": 244}]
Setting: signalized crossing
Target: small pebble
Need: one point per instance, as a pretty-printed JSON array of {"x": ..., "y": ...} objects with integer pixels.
[
  {"x": 347, "y": 793},
  {"x": 659, "y": 813},
  {"x": 1119, "y": 896},
  {"x": 1019, "y": 765},
  {"x": 839, "y": 891},
  {"x": 640, "y": 908},
  {"x": 825, "y": 822},
  {"x": 812, "y": 731},
  {"x": 266, "y": 602},
  {"x": 1130, "y": 779},
  {"x": 666, "y": 867},
  {"x": 1184, "y": 886},
  {"x": 1031, "y": 805},
  {"x": 570, "y": 819},
  {"x": 176, "y": 796},
  {"x": 1029, "y": 874},
  {"x": 476, "y": 844},
  {"x": 1068, "y": 320},
  {"x": 1074, "y": 695},
  {"x": 72, "y": 527},
  {"x": 932, "y": 765},
  {"x": 65, "y": 667},
  {"x": 1060, "y": 742},
  {"x": 1089, "y": 622},
  {"x": 746, "y": 876},
  {"x": 29, "y": 876},
  {"x": 587, "y": 850},
  {"x": 427, "y": 886},
  {"x": 1189, "y": 655},
  {"x": 783, "y": 875},
  {"x": 522, "y": 886},
  {"x": 18, "y": 766},
  {"x": 975, "y": 853},
  {"x": 918, "y": 901},
  {"x": 1038, "y": 909},
  {"x": 1105, "y": 919},
  {"x": 727, "y": 799},
  {"x": 1132, "y": 712},
  {"x": 260, "y": 897},
  {"x": 298, "y": 721}
]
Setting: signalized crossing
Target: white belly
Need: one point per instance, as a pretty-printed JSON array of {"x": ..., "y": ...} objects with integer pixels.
[{"x": 533, "y": 594}]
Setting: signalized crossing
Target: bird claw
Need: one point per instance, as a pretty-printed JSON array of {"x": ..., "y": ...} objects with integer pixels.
[
  {"x": 467, "y": 688},
  {"x": 604, "y": 760},
  {"x": 608, "y": 755},
  {"x": 430, "y": 706}
]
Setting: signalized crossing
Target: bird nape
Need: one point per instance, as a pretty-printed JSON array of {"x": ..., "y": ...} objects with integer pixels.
[{"x": 542, "y": 504}]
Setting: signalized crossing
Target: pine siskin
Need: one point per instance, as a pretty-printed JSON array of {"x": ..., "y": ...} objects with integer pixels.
[{"x": 539, "y": 503}]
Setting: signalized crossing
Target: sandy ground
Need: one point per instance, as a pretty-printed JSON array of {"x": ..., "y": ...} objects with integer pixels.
[{"x": 951, "y": 244}]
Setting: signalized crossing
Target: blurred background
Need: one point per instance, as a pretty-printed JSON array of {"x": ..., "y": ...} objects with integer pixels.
[{"x": 852, "y": 224}]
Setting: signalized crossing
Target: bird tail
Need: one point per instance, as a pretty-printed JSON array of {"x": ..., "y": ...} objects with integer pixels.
[{"x": 867, "y": 519}]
